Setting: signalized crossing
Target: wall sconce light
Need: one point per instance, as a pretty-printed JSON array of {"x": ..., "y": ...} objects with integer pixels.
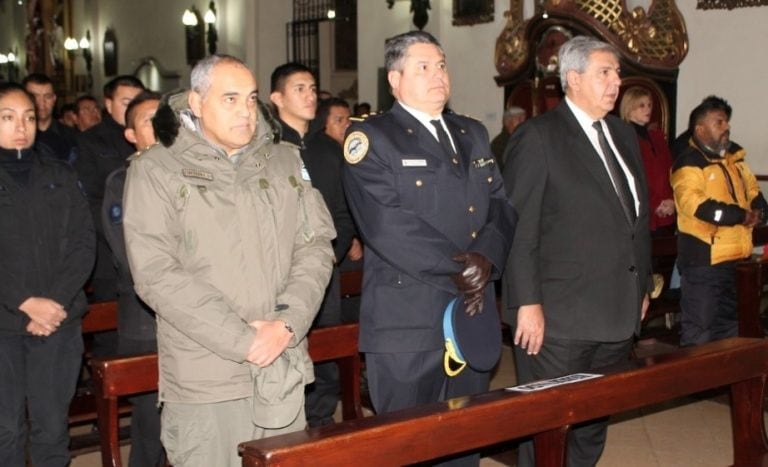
[
  {"x": 194, "y": 32},
  {"x": 72, "y": 46},
  {"x": 213, "y": 35},
  {"x": 9, "y": 60},
  {"x": 85, "y": 46}
]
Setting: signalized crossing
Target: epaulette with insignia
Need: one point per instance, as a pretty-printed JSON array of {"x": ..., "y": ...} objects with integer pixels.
[
  {"x": 471, "y": 118},
  {"x": 136, "y": 155},
  {"x": 141, "y": 152},
  {"x": 365, "y": 117}
]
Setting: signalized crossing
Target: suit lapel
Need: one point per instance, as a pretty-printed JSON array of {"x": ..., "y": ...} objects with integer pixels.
[{"x": 582, "y": 148}]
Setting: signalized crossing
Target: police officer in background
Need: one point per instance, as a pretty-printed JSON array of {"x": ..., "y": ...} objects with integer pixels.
[
  {"x": 430, "y": 205},
  {"x": 136, "y": 328}
]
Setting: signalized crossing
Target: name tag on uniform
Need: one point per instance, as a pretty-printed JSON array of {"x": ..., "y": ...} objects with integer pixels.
[
  {"x": 480, "y": 163},
  {"x": 414, "y": 162}
]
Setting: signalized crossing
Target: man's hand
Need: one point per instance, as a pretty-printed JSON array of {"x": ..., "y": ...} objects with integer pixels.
[
  {"x": 47, "y": 313},
  {"x": 666, "y": 208},
  {"x": 471, "y": 281},
  {"x": 355, "y": 252},
  {"x": 529, "y": 334},
  {"x": 753, "y": 217},
  {"x": 37, "y": 329},
  {"x": 646, "y": 304},
  {"x": 271, "y": 339},
  {"x": 476, "y": 272}
]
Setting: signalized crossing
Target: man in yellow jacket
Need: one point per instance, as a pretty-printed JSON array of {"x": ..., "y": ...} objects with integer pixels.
[{"x": 718, "y": 202}]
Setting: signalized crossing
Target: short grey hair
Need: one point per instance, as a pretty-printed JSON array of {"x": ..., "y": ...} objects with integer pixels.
[
  {"x": 200, "y": 79},
  {"x": 396, "y": 47},
  {"x": 574, "y": 55}
]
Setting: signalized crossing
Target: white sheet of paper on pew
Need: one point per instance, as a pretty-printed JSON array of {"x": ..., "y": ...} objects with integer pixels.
[{"x": 550, "y": 383}]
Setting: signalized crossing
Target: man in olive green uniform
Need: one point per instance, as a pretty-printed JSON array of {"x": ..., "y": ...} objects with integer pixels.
[{"x": 232, "y": 249}]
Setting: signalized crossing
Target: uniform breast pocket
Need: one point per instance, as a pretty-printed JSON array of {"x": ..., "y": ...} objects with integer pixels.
[
  {"x": 418, "y": 189},
  {"x": 483, "y": 175}
]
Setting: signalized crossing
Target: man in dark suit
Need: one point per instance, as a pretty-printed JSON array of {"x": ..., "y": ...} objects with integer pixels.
[
  {"x": 579, "y": 271},
  {"x": 430, "y": 205}
]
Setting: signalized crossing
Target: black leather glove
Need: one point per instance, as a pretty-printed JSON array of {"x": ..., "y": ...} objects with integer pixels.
[{"x": 471, "y": 281}]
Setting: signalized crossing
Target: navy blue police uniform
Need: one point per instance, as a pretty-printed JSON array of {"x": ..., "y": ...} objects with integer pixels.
[
  {"x": 416, "y": 207},
  {"x": 136, "y": 327}
]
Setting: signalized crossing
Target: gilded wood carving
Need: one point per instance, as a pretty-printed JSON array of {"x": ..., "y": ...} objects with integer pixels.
[{"x": 656, "y": 38}]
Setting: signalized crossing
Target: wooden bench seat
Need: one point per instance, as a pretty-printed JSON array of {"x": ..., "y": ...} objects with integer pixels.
[
  {"x": 117, "y": 377},
  {"x": 751, "y": 279},
  {"x": 100, "y": 317},
  {"x": 470, "y": 423}
]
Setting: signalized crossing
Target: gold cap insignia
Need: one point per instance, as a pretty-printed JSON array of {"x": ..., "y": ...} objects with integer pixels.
[{"x": 355, "y": 147}]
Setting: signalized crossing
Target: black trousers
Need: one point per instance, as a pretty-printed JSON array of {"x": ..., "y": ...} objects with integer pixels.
[
  {"x": 401, "y": 380},
  {"x": 559, "y": 357},
  {"x": 322, "y": 396},
  {"x": 39, "y": 374},
  {"x": 708, "y": 303}
]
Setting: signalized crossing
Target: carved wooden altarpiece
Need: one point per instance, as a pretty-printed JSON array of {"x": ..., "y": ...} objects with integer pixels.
[{"x": 651, "y": 45}]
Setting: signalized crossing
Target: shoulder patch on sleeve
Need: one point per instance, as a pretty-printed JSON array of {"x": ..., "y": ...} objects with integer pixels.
[
  {"x": 355, "y": 147},
  {"x": 116, "y": 213}
]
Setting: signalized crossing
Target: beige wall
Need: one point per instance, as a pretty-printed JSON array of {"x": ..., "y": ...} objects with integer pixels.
[
  {"x": 253, "y": 30},
  {"x": 12, "y": 29},
  {"x": 727, "y": 57}
]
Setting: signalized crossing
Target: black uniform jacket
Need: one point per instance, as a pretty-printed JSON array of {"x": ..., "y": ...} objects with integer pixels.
[
  {"x": 47, "y": 243},
  {"x": 323, "y": 159},
  {"x": 135, "y": 319},
  {"x": 100, "y": 151},
  {"x": 416, "y": 208},
  {"x": 574, "y": 251}
]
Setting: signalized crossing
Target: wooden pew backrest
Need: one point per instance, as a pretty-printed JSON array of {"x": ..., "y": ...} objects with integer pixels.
[
  {"x": 100, "y": 317},
  {"x": 457, "y": 425},
  {"x": 751, "y": 278},
  {"x": 116, "y": 377}
]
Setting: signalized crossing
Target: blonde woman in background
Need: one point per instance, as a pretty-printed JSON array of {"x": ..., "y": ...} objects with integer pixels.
[{"x": 636, "y": 108}]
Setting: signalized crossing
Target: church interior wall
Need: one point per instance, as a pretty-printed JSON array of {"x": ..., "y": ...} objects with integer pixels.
[{"x": 725, "y": 53}]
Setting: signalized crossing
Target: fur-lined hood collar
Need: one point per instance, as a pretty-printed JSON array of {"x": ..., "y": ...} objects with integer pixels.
[{"x": 174, "y": 112}]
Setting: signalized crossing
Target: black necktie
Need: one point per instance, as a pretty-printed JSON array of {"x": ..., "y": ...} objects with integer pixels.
[
  {"x": 618, "y": 177},
  {"x": 442, "y": 138}
]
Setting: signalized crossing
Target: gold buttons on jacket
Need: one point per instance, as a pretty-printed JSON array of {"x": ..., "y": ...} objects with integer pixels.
[
  {"x": 419, "y": 183},
  {"x": 471, "y": 209},
  {"x": 455, "y": 161},
  {"x": 490, "y": 179},
  {"x": 473, "y": 234}
]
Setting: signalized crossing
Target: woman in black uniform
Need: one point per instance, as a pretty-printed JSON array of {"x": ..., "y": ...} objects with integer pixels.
[{"x": 47, "y": 249}]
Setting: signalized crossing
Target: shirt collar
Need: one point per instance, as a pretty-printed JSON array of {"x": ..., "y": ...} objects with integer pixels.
[
  {"x": 585, "y": 121},
  {"x": 422, "y": 117}
]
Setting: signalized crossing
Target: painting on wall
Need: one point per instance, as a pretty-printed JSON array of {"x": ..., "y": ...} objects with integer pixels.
[{"x": 469, "y": 12}]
